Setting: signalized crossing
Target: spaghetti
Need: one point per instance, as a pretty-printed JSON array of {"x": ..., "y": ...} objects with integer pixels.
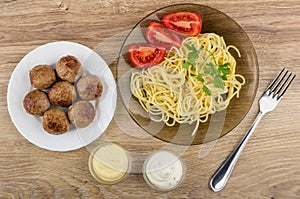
[{"x": 192, "y": 82}]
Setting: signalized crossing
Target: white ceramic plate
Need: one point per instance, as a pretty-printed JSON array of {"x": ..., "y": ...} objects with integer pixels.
[{"x": 30, "y": 126}]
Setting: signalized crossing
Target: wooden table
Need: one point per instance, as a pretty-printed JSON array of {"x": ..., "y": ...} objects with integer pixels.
[{"x": 269, "y": 167}]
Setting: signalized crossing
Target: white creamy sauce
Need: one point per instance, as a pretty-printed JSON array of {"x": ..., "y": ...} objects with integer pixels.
[{"x": 164, "y": 170}]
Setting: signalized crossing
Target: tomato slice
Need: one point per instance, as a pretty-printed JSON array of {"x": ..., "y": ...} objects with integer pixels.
[
  {"x": 186, "y": 23},
  {"x": 159, "y": 35},
  {"x": 145, "y": 55}
]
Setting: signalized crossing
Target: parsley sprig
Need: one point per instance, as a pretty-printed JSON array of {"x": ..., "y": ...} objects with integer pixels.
[{"x": 218, "y": 72}]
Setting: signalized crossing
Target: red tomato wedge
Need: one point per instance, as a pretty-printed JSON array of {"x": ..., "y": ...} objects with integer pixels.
[
  {"x": 145, "y": 55},
  {"x": 186, "y": 23},
  {"x": 159, "y": 35}
]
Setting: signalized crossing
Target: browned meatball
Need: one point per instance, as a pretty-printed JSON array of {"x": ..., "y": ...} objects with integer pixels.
[
  {"x": 55, "y": 121},
  {"x": 62, "y": 94},
  {"x": 81, "y": 114},
  {"x": 69, "y": 68},
  {"x": 89, "y": 87},
  {"x": 42, "y": 76},
  {"x": 36, "y": 102}
]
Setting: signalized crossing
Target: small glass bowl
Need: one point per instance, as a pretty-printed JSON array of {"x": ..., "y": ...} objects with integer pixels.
[
  {"x": 163, "y": 170},
  {"x": 108, "y": 154}
]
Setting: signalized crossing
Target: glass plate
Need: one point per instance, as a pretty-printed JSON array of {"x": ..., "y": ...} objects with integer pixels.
[{"x": 220, "y": 123}]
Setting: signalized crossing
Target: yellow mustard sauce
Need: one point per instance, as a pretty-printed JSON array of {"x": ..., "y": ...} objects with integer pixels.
[{"x": 109, "y": 163}]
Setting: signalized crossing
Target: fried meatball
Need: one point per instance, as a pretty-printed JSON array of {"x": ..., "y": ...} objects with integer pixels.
[
  {"x": 42, "y": 76},
  {"x": 89, "y": 87},
  {"x": 69, "y": 68},
  {"x": 62, "y": 94},
  {"x": 36, "y": 102},
  {"x": 55, "y": 121},
  {"x": 81, "y": 114}
]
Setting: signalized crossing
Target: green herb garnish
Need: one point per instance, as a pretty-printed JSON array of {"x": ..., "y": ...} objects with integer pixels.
[
  {"x": 193, "y": 54},
  {"x": 206, "y": 90},
  {"x": 224, "y": 70},
  {"x": 219, "y": 73},
  {"x": 186, "y": 65},
  {"x": 200, "y": 78},
  {"x": 218, "y": 82},
  {"x": 210, "y": 69}
]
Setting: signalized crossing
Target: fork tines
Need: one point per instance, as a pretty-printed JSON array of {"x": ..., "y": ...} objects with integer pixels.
[{"x": 280, "y": 84}]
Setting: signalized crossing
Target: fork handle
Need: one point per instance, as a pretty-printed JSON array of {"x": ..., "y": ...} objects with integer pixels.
[{"x": 219, "y": 179}]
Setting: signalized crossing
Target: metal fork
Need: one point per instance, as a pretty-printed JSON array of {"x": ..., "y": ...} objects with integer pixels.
[{"x": 267, "y": 103}]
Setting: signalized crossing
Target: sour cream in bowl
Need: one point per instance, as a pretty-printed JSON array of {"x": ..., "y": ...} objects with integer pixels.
[{"x": 164, "y": 170}]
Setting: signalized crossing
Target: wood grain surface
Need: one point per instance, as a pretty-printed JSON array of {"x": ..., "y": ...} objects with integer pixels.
[{"x": 269, "y": 167}]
